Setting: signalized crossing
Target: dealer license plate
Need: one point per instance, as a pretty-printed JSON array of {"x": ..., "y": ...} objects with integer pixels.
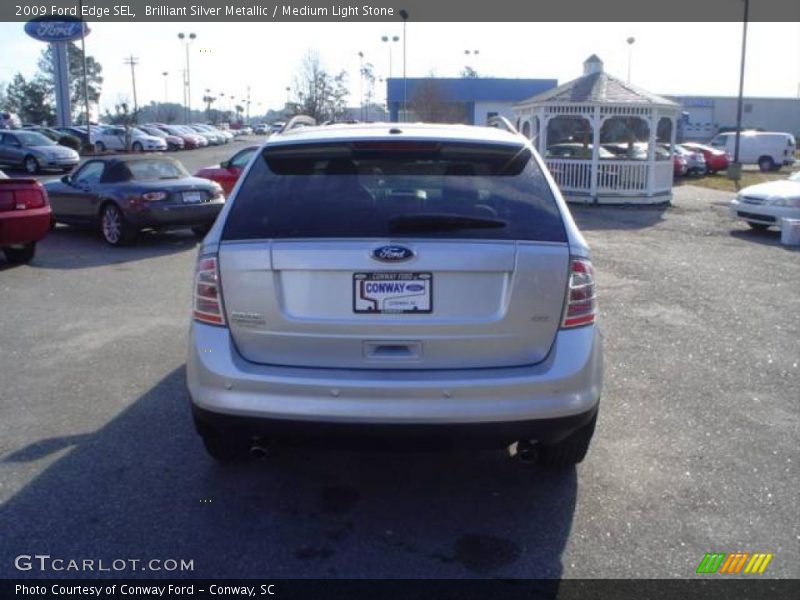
[{"x": 392, "y": 292}]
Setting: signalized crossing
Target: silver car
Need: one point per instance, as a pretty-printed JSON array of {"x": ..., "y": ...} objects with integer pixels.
[
  {"x": 383, "y": 283},
  {"x": 34, "y": 152}
]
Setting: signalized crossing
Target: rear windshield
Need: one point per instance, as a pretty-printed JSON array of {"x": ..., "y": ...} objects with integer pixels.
[
  {"x": 381, "y": 189},
  {"x": 149, "y": 170}
]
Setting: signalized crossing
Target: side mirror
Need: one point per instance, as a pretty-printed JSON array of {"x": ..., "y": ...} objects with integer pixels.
[
  {"x": 225, "y": 164},
  {"x": 67, "y": 179}
]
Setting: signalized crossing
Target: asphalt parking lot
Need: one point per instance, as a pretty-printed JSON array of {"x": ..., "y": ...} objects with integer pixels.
[{"x": 696, "y": 448}]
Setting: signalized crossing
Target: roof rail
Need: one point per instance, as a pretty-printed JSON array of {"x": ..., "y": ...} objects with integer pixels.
[
  {"x": 341, "y": 122},
  {"x": 298, "y": 121},
  {"x": 500, "y": 122}
]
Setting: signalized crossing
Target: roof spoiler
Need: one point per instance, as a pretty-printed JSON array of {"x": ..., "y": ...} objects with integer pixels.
[
  {"x": 501, "y": 122},
  {"x": 298, "y": 121}
]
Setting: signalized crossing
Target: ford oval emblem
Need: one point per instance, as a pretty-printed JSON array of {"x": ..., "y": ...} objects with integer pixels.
[
  {"x": 61, "y": 29},
  {"x": 392, "y": 253}
]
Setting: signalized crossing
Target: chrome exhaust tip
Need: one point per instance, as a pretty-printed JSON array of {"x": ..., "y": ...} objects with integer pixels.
[
  {"x": 525, "y": 451},
  {"x": 257, "y": 451}
]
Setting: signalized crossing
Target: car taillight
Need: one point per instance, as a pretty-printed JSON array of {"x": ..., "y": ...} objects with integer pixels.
[
  {"x": 581, "y": 301},
  {"x": 154, "y": 196},
  {"x": 207, "y": 292},
  {"x": 22, "y": 199}
]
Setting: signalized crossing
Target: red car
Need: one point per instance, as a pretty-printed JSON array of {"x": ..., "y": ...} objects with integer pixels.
[
  {"x": 716, "y": 159},
  {"x": 25, "y": 217},
  {"x": 228, "y": 171},
  {"x": 191, "y": 140},
  {"x": 680, "y": 166}
]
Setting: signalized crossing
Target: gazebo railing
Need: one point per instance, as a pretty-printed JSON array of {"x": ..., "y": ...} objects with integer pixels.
[
  {"x": 571, "y": 175},
  {"x": 623, "y": 177}
]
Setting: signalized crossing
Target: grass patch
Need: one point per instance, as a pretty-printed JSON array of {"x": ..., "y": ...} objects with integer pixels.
[{"x": 720, "y": 181}]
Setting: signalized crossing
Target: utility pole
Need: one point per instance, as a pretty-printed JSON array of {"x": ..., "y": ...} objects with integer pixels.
[
  {"x": 736, "y": 171},
  {"x": 133, "y": 61}
]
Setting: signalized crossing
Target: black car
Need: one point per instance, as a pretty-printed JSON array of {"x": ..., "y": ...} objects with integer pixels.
[{"x": 125, "y": 196}]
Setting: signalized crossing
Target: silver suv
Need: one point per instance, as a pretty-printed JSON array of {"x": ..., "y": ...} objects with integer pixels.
[{"x": 396, "y": 283}]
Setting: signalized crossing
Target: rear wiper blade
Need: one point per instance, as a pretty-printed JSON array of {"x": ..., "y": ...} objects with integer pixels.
[{"x": 442, "y": 221}]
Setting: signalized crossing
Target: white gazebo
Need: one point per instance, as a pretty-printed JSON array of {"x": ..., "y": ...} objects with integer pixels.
[{"x": 604, "y": 140}]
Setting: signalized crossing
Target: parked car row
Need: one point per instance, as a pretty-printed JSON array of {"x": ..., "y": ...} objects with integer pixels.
[{"x": 690, "y": 158}]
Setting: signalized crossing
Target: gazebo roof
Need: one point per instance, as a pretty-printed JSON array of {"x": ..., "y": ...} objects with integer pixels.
[{"x": 598, "y": 87}]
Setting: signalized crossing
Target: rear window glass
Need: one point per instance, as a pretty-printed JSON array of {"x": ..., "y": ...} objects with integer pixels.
[
  {"x": 383, "y": 189},
  {"x": 147, "y": 170}
]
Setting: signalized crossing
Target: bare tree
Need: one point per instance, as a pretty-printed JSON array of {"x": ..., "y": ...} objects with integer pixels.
[
  {"x": 317, "y": 93},
  {"x": 429, "y": 103}
]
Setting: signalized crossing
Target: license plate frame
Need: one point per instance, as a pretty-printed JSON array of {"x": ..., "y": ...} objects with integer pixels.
[{"x": 402, "y": 300}]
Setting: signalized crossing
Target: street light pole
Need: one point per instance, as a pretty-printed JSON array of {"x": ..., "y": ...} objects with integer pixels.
[
  {"x": 475, "y": 54},
  {"x": 166, "y": 93},
  {"x": 404, "y": 15},
  {"x": 187, "y": 40},
  {"x": 248, "y": 105},
  {"x": 361, "y": 83},
  {"x": 630, "y": 41}
]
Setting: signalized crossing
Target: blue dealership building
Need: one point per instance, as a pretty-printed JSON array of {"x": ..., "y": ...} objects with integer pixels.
[{"x": 460, "y": 100}]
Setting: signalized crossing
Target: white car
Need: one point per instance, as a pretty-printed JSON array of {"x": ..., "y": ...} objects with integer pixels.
[
  {"x": 764, "y": 205},
  {"x": 113, "y": 138}
]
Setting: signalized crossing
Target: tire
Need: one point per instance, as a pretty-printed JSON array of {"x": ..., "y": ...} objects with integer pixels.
[
  {"x": 225, "y": 449},
  {"x": 765, "y": 163},
  {"x": 137, "y": 147},
  {"x": 113, "y": 227},
  {"x": 31, "y": 165},
  {"x": 569, "y": 451},
  {"x": 21, "y": 255},
  {"x": 99, "y": 147},
  {"x": 201, "y": 230},
  {"x": 758, "y": 226}
]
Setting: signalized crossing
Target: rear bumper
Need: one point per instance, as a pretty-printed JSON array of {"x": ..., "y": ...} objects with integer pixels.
[
  {"x": 391, "y": 436},
  {"x": 175, "y": 215},
  {"x": 545, "y": 402},
  {"x": 23, "y": 227}
]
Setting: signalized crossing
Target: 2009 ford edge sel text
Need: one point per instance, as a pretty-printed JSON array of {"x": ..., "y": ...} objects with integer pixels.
[{"x": 392, "y": 283}]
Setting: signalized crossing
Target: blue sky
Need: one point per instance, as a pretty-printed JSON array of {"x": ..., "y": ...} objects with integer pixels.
[{"x": 667, "y": 58}]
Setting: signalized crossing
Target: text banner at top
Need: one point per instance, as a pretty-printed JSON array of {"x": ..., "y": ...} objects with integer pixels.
[{"x": 133, "y": 11}]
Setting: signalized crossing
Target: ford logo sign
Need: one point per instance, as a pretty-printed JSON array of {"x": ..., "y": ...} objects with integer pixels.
[
  {"x": 392, "y": 253},
  {"x": 48, "y": 29}
]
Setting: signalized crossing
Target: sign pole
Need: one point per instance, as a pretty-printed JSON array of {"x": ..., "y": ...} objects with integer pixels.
[{"x": 61, "y": 70}]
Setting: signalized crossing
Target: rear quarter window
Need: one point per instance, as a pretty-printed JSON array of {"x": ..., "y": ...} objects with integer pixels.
[{"x": 350, "y": 190}]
